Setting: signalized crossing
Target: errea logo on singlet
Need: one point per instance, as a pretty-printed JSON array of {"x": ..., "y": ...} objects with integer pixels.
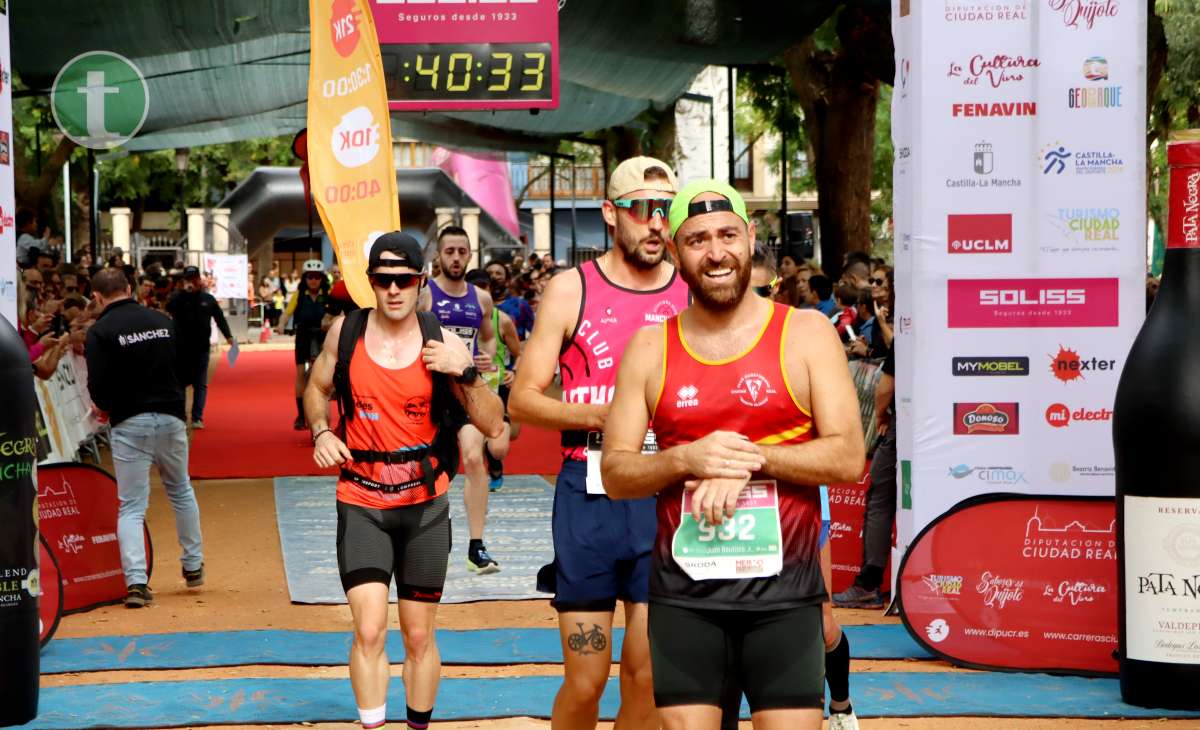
[
  {"x": 753, "y": 390},
  {"x": 688, "y": 397}
]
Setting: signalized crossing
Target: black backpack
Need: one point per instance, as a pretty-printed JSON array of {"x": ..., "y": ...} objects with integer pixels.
[{"x": 445, "y": 411}]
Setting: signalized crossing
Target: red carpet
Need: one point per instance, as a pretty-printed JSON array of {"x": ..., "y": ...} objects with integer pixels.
[{"x": 248, "y": 427}]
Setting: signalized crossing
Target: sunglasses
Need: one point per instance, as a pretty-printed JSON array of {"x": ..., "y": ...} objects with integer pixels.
[
  {"x": 877, "y": 282},
  {"x": 385, "y": 281},
  {"x": 643, "y": 209},
  {"x": 767, "y": 289}
]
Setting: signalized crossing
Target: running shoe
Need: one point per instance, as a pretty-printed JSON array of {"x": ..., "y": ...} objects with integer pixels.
[
  {"x": 138, "y": 595},
  {"x": 299, "y": 424},
  {"x": 858, "y": 597},
  {"x": 843, "y": 721},
  {"x": 481, "y": 563},
  {"x": 194, "y": 578},
  {"x": 495, "y": 484},
  {"x": 197, "y": 425}
]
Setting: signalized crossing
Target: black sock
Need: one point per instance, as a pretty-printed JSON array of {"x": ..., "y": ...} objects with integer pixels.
[
  {"x": 300, "y": 407},
  {"x": 418, "y": 720},
  {"x": 837, "y": 670}
]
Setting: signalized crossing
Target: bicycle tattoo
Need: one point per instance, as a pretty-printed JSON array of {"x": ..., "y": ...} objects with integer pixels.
[{"x": 580, "y": 642}]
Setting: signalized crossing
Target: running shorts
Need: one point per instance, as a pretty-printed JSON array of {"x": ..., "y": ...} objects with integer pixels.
[
  {"x": 824, "y": 536},
  {"x": 699, "y": 656},
  {"x": 410, "y": 542},
  {"x": 601, "y": 546},
  {"x": 308, "y": 344}
]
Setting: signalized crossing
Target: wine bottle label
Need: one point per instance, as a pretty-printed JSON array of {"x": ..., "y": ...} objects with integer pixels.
[{"x": 1162, "y": 579}]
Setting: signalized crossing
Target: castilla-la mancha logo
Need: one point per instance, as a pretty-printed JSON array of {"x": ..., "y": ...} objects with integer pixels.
[{"x": 753, "y": 389}]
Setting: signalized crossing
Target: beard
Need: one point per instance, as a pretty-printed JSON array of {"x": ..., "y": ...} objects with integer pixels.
[
  {"x": 635, "y": 252},
  {"x": 718, "y": 297},
  {"x": 453, "y": 275}
]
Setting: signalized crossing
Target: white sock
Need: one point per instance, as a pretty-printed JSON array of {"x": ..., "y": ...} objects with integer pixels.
[{"x": 373, "y": 718}]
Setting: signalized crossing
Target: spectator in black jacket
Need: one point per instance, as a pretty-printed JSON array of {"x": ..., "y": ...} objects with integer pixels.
[
  {"x": 194, "y": 310},
  {"x": 130, "y": 353}
]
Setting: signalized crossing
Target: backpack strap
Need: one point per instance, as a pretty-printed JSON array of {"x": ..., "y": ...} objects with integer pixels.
[
  {"x": 353, "y": 328},
  {"x": 444, "y": 444}
]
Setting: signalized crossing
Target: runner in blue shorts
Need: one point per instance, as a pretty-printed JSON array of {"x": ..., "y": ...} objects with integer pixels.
[{"x": 602, "y": 547}]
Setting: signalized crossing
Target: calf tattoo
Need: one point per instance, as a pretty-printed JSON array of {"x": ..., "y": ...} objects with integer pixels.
[{"x": 587, "y": 642}]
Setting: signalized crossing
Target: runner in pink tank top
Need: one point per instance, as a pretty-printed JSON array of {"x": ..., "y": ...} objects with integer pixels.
[{"x": 602, "y": 548}]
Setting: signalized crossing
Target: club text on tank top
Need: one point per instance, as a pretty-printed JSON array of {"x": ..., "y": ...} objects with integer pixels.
[
  {"x": 462, "y": 315},
  {"x": 609, "y": 315},
  {"x": 748, "y": 394},
  {"x": 391, "y": 412}
]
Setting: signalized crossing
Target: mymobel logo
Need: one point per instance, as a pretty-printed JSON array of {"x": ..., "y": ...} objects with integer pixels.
[
  {"x": 979, "y": 233},
  {"x": 99, "y": 99},
  {"x": 1015, "y": 365}
]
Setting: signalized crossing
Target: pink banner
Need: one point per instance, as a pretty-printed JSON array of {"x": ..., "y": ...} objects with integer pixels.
[
  {"x": 1033, "y": 302},
  {"x": 484, "y": 176}
]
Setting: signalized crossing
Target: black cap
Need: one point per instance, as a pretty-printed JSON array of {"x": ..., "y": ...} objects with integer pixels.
[
  {"x": 191, "y": 272},
  {"x": 404, "y": 246},
  {"x": 478, "y": 277}
]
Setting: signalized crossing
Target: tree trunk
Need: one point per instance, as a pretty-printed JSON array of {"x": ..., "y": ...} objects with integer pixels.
[
  {"x": 838, "y": 91},
  {"x": 34, "y": 193}
]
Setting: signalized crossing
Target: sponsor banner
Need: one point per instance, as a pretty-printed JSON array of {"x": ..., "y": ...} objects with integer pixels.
[
  {"x": 1040, "y": 594},
  {"x": 50, "y": 604},
  {"x": 847, "y": 507},
  {"x": 1023, "y": 303},
  {"x": 979, "y": 233},
  {"x": 231, "y": 272},
  {"x": 77, "y": 515},
  {"x": 976, "y": 366},
  {"x": 351, "y": 174}
]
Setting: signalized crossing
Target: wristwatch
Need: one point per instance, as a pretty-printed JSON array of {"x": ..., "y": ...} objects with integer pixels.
[{"x": 469, "y": 375}]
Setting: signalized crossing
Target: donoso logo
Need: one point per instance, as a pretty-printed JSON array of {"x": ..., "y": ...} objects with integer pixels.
[
  {"x": 979, "y": 233},
  {"x": 996, "y": 303},
  {"x": 975, "y": 419}
]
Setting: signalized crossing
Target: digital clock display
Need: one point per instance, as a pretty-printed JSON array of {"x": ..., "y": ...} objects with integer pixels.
[{"x": 448, "y": 72}]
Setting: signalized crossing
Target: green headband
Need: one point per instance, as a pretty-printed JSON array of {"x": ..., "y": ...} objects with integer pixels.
[{"x": 681, "y": 207}]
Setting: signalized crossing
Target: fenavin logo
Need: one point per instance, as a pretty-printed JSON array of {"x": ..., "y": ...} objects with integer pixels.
[
  {"x": 974, "y": 366},
  {"x": 979, "y": 233}
]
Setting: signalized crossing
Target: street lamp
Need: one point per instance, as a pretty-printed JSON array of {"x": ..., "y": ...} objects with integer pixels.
[{"x": 181, "y": 165}]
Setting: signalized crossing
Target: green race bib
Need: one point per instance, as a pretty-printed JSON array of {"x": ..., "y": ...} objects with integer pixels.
[{"x": 747, "y": 545}]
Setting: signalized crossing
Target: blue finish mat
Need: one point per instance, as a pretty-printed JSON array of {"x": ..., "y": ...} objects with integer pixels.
[
  {"x": 277, "y": 701},
  {"x": 518, "y": 536},
  {"x": 309, "y": 648}
]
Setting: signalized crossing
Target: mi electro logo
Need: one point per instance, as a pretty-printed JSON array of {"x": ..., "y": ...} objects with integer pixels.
[
  {"x": 976, "y": 366},
  {"x": 979, "y": 233}
]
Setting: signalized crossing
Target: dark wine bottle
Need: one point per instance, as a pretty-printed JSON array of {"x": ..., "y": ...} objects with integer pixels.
[
  {"x": 1156, "y": 438},
  {"x": 19, "y": 588}
]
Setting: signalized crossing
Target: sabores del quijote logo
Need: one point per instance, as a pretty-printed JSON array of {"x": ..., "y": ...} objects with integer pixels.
[{"x": 1085, "y": 14}]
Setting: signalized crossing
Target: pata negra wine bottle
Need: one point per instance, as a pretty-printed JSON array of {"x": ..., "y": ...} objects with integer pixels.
[{"x": 1156, "y": 437}]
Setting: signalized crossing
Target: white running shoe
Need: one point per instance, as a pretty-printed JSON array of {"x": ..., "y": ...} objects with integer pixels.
[{"x": 843, "y": 721}]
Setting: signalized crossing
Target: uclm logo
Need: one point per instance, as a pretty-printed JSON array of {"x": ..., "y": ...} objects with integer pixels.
[
  {"x": 995, "y": 303},
  {"x": 979, "y": 233},
  {"x": 977, "y": 419}
]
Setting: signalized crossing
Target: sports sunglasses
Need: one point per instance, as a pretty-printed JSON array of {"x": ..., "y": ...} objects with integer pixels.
[
  {"x": 385, "y": 281},
  {"x": 643, "y": 209},
  {"x": 767, "y": 289}
]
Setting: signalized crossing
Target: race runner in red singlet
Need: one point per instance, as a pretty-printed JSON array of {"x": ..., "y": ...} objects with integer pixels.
[{"x": 754, "y": 408}]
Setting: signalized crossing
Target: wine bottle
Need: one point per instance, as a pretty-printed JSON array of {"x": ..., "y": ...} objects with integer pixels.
[
  {"x": 1156, "y": 439},
  {"x": 18, "y": 533}
]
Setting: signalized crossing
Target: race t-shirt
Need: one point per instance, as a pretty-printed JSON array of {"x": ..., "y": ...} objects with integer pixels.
[{"x": 462, "y": 315}]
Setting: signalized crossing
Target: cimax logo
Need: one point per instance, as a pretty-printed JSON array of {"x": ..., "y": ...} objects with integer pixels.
[
  {"x": 1032, "y": 302},
  {"x": 979, "y": 233}
]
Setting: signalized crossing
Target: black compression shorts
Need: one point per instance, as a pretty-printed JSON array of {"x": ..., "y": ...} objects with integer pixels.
[
  {"x": 410, "y": 542},
  {"x": 308, "y": 344},
  {"x": 776, "y": 657}
]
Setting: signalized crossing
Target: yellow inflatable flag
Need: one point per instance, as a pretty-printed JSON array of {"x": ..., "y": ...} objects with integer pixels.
[{"x": 350, "y": 166}]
